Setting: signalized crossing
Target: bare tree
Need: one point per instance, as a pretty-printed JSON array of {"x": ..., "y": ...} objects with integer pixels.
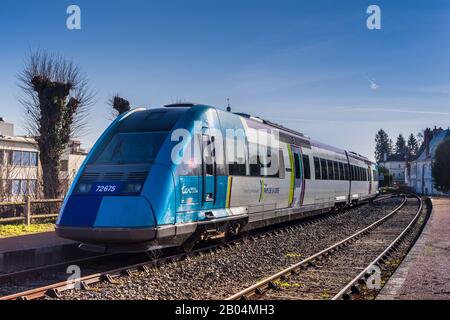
[{"x": 56, "y": 100}]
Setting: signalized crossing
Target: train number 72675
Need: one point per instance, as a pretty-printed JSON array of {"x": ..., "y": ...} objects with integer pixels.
[{"x": 106, "y": 188}]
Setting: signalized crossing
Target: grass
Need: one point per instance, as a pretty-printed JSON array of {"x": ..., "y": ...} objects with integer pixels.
[{"x": 12, "y": 230}]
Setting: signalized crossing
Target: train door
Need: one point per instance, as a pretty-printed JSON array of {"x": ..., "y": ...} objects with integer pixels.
[
  {"x": 209, "y": 177},
  {"x": 298, "y": 176}
]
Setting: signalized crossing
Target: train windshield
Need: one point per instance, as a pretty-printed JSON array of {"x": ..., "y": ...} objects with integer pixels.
[{"x": 131, "y": 148}]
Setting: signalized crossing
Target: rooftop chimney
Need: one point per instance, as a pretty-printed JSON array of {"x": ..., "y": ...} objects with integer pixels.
[{"x": 427, "y": 135}]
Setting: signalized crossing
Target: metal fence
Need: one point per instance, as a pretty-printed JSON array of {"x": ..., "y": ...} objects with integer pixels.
[{"x": 30, "y": 210}]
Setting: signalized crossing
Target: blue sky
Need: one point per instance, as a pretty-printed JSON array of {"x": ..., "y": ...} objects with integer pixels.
[{"x": 304, "y": 64}]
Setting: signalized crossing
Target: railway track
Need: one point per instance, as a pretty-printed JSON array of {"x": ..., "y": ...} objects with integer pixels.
[
  {"x": 348, "y": 269},
  {"x": 159, "y": 259}
]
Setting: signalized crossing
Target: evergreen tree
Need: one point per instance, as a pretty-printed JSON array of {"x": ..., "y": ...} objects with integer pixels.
[
  {"x": 382, "y": 145},
  {"x": 400, "y": 147},
  {"x": 441, "y": 166},
  {"x": 413, "y": 146}
]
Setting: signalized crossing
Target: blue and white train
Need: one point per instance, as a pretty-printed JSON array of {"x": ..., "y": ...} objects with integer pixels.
[{"x": 130, "y": 195}]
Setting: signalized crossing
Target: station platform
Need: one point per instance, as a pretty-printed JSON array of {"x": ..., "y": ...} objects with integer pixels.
[
  {"x": 35, "y": 250},
  {"x": 425, "y": 272}
]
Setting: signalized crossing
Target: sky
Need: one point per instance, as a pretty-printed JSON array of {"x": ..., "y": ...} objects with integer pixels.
[{"x": 312, "y": 66}]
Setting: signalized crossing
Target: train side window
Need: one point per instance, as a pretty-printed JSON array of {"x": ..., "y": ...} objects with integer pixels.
[
  {"x": 323, "y": 167},
  {"x": 364, "y": 174},
  {"x": 346, "y": 177},
  {"x": 353, "y": 172},
  {"x": 317, "y": 168},
  {"x": 297, "y": 166},
  {"x": 341, "y": 171},
  {"x": 359, "y": 174},
  {"x": 281, "y": 168},
  {"x": 237, "y": 169},
  {"x": 306, "y": 167},
  {"x": 336, "y": 170},
  {"x": 330, "y": 170},
  {"x": 254, "y": 160},
  {"x": 208, "y": 154}
]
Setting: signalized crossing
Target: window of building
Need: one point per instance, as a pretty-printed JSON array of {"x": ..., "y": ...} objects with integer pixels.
[
  {"x": 17, "y": 158},
  {"x": 306, "y": 167},
  {"x": 317, "y": 168},
  {"x": 323, "y": 166},
  {"x": 23, "y": 187},
  {"x": 15, "y": 187},
  {"x": 2, "y": 157},
  {"x": 32, "y": 187},
  {"x": 34, "y": 159},
  {"x": 26, "y": 158}
]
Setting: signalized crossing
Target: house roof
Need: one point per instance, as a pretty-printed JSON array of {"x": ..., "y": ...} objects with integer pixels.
[
  {"x": 437, "y": 138},
  {"x": 18, "y": 139}
]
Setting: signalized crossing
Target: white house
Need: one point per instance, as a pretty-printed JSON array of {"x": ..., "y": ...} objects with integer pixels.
[
  {"x": 396, "y": 167},
  {"x": 419, "y": 173}
]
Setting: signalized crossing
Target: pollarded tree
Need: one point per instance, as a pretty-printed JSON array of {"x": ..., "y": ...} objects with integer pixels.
[
  {"x": 119, "y": 105},
  {"x": 441, "y": 166},
  {"x": 56, "y": 99}
]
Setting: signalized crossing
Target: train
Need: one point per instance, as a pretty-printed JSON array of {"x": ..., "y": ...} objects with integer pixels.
[{"x": 180, "y": 174}]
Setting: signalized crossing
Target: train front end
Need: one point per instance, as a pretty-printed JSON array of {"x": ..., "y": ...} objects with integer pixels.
[{"x": 123, "y": 195}]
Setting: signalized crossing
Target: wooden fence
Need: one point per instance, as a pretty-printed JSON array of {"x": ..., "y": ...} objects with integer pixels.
[{"x": 28, "y": 215}]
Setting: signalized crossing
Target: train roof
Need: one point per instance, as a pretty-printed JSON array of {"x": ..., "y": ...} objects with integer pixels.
[{"x": 291, "y": 135}]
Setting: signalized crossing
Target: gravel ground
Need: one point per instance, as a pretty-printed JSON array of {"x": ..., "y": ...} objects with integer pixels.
[
  {"x": 218, "y": 274},
  {"x": 328, "y": 276}
]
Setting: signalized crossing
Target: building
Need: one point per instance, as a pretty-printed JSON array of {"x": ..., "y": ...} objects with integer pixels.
[
  {"x": 419, "y": 172},
  {"x": 71, "y": 161},
  {"x": 396, "y": 165},
  {"x": 20, "y": 166}
]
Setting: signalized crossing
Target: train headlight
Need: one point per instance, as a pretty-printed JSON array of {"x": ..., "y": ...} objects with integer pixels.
[
  {"x": 84, "y": 187},
  {"x": 133, "y": 187}
]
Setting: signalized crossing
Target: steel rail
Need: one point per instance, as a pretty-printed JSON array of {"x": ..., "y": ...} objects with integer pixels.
[
  {"x": 266, "y": 283},
  {"x": 343, "y": 294},
  {"x": 4, "y": 277}
]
